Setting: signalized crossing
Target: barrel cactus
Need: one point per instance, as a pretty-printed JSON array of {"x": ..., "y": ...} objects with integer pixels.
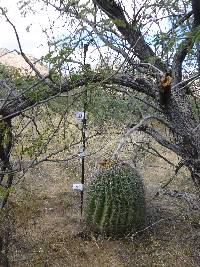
[{"x": 115, "y": 201}]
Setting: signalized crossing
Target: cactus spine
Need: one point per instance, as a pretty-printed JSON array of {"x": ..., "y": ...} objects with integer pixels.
[{"x": 115, "y": 202}]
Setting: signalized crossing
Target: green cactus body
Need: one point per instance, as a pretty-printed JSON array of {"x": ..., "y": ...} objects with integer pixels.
[{"x": 115, "y": 201}]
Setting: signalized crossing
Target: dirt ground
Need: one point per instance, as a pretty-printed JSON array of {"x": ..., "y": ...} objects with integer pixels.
[{"x": 45, "y": 229}]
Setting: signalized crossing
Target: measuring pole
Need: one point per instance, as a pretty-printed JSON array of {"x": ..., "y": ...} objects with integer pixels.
[
  {"x": 83, "y": 131},
  {"x": 84, "y": 125}
]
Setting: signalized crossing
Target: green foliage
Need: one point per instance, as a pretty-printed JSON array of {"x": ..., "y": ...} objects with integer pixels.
[
  {"x": 196, "y": 35},
  {"x": 119, "y": 23},
  {"x": 54, "y": 58},
  {"x": 37, "y": 92},
  {"x": 5, "y": 73},
  {"x": 104, "y": 106},
  {"x": 37, "y": 145},
  {"x": 111, "y": 107},
  {"x": 4, "y": 134},
  {"x": 26, "y": 84},
  {"x": 75, "y": 77},
  {"x": 4, "y": 191},
  {"x": 11, "y": 75},
  {"x": 115, "y": 201}
]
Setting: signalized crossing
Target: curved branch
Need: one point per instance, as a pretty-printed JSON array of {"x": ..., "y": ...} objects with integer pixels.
[
  {"x": 131, "y": 130},
  {"x": 180, "y": 21},
  {"x": 160, "y": 139},
  {"x": 21, "y": 103},
  {"x": 130, "y": 32},
  {"x": 196, "y": 11},
  {"x": 140, "y": 85},
  {"x": 186, "y": 45},
  {"x": 179, "y": 57}
]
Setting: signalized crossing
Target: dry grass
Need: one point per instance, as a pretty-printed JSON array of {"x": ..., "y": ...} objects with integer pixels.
[{"x": 46, "y": 230}]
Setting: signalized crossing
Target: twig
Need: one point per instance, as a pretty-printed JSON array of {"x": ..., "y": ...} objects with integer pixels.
[
  {"x": 130, "y": 131},
  {"x": 180, "y": 165},
  {"x": 191, "y": 201},
  {"x": 161, "y": 156},
  {"x": 153, "y": 224}
]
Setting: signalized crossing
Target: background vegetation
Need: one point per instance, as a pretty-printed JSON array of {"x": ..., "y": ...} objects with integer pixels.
[{"x": 110, "y": 60}]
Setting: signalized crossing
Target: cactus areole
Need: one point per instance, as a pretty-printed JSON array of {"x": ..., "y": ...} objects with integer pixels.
[{"x": 115, "y": 201}]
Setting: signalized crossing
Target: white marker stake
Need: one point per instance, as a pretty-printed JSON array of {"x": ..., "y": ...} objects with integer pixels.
[
  {"x": 80, "y": 116},
  {"x": 78, "y": 187}
]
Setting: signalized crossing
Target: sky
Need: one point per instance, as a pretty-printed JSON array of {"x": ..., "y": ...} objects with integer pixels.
[{"x": 33, "y": 42}]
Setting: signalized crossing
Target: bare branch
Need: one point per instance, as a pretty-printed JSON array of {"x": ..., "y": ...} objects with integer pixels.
[
  {"x": 125, "y": 136},
  {"x": 191, "y": 200},
  {"x": 179, "y": 57},
  {"x": 21, "y": 104},
  {"x": 130, "y": 33},
  {"x": 181, "y": 85},
  {"x": 158, "y": 154},
  {"x": 160, "y": 139},
  {"x": 180, "y": 21},
  {"x": 186, "y": 45}
]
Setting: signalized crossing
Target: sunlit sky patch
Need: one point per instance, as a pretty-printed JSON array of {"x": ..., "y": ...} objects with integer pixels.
[{"x": 34, "y": 40}]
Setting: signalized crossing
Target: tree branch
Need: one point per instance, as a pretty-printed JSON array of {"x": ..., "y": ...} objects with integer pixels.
[
  {"x": 136, "y": 127},
  {"x": 130, "y": 32},
  {"x": 160, "y": 139},
  {"x": 178, "y": 59},
  {"x": 191, "y": 200},
  {"x": 180, "y": 21},
  {"x": 186, "y": 45},
  {"x": 20, "y": 104}
]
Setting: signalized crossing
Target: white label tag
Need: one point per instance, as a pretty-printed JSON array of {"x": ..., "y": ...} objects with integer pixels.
[
  {"x": 80, "y": 116},
  {"x": 78, "y": 187},
  {"x": 82, "y": 152}
]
